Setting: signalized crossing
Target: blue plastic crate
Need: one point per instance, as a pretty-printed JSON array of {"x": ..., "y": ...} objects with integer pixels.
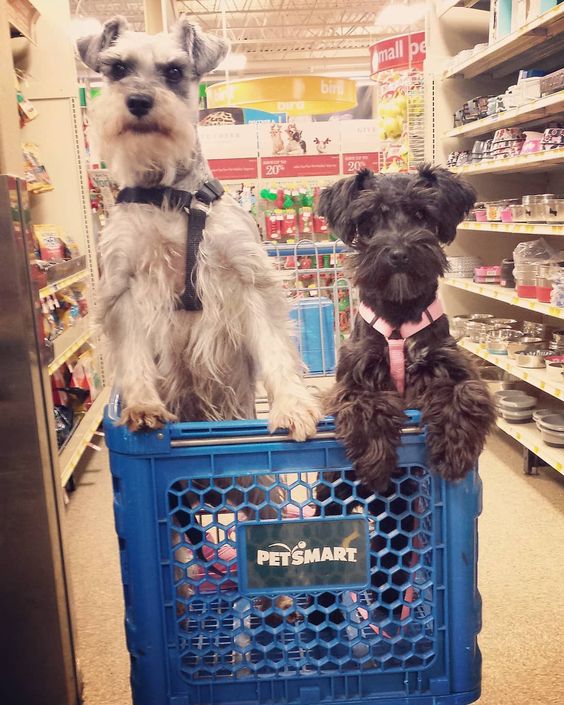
[
  {"x": 316, "y": 336},
  {"x": 222, "y": 606}
]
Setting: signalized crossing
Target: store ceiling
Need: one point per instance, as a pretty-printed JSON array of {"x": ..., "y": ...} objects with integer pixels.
[{"x": 279, "y": 36}]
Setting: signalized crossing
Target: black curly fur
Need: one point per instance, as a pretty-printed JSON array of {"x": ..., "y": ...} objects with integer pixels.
[{"x": 396, "y": 225}]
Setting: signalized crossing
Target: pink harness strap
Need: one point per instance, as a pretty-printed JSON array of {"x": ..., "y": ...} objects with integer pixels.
[{"x": 396, "y": 345}]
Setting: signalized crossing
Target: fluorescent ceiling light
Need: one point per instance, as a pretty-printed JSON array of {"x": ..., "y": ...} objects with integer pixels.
[
  {"x": 233, "y": 62},
  {"x": 399, "y": 13}
]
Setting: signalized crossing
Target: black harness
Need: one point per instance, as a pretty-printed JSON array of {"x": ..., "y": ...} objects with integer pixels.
[{"x": 197, "y": 206}]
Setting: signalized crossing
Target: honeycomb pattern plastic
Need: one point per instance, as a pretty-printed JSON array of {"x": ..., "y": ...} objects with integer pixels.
[{"x": 195, "y": 636}]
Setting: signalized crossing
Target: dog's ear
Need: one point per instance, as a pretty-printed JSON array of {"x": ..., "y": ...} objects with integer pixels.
[
  {"x": 205, "y": 50},
  {"x": 452, "y": 197},
  {"x": 334, "y": 204},
  {"x": 89, "y": 48}
]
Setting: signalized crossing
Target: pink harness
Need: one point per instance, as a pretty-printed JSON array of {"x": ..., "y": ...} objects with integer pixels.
[{"x": 396, "y": 345}]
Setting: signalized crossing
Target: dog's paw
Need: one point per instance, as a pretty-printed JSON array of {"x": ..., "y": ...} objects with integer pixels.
[
  {"x": 145, "y": 416},
  {"x": 299, "y": 416}
]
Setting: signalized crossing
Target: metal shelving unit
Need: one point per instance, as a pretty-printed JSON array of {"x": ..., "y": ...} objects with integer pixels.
[
  {"x": 528, "y": 435},
  {"x": 540, "y": 229},
  {"x": 78, "y": 442},
  {"x": 536, "y": 40},
  {"x": 535, "y": 377},
  {"x": 540, "y": 43},
  {"x": 525, "y": 163},
  {"x": 69, "y": 342},
  {"x": 541, "y": 109},
  {"x": 508, "y": 296}
]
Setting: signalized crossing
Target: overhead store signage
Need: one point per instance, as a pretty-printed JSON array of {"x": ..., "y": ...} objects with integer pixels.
[
  {"x": 399, "y": 52},
  {"x": 294, "y": 95}
]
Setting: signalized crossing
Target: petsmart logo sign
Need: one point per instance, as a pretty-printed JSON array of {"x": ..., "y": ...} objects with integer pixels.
[
  {"x": 295, "y": 554},
  {"x": 399, "y": 52},
  {"x": 300, "y": 555}
]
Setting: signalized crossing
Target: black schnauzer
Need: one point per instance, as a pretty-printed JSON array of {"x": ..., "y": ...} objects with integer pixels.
[{"x": 397, "y": 225}]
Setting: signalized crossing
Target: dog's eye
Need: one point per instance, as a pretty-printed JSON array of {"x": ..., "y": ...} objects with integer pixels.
[
  {"x": 173, "y": 74},
  {"x": 419, "y": 215},
  {"x": 119, "y": 70}
]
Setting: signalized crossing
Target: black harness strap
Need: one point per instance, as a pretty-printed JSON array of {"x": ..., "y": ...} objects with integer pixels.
[{"x": 197, "y": 206}]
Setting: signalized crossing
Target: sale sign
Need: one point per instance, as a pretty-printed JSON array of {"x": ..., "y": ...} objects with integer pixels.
[
  {"x": 355, "y": 161},
  {"x": 300, "y": 166},
  {"x": 234, "y": 169},
  {"x": 400, "y": 52}
]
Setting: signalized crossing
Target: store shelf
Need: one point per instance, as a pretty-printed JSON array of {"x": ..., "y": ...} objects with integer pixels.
[
  {"x": 446, "y": 5},
  {"x": 69, "y": 342},
  {"x": 523, "y": 163},
  {"x": 536, "y": 378},
  {"x": 540, "y": 109},
  {"x": 514, "y": 228},
  {"x": 500, "y": 293},
  {"x": 529, "y": 436},
  {"x": 63, "y": 283},
  {"x": 72, "y": 452},
  {"x": 539, "y": 38}
]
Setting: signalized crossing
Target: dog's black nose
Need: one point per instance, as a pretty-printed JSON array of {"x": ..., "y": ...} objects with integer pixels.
[
  {"x": 139, "y": 104},
  {"x": 398, "y": 258}
]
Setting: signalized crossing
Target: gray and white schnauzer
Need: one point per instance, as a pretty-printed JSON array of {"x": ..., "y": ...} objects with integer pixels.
[
  {"x": 171, "y": 363},
  {"x": 400, "y": 354}
]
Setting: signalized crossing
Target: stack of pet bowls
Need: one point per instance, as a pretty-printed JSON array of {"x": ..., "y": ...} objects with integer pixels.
[
  {"x": 526, "y": 274},
  {"x": 507, "y": 142},
  {"x": 506, "y": 278},
  {"x": 481, "y": 149},
  {"x": 551, "y": 425},
  {"x": 461, "y": 267},
  {"x": 553, "y": 138},
  {"x": 488, "y": 274},
  {"x": 498, "y": 339},
  {"x": 533, "y": 142},
  {"x": 536, "y": 207},
  {"x": 514, "y": 405}
]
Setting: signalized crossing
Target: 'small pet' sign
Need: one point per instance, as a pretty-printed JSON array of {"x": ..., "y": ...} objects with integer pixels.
[
  {"x": 293, "y": 555},
  {"x": 399, "y": 52}
]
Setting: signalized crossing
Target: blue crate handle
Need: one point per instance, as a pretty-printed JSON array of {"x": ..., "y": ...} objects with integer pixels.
[{"x": 187, "y": 433}]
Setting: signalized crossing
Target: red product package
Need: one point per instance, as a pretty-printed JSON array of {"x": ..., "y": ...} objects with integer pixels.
[
  {"x": 273, "y": 226},
  {"x": 319, "y": 225},
  {"x": 289, "y": 225}
]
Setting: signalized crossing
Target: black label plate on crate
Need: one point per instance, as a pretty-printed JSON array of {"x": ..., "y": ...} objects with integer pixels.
[{"x": 292, "y": 555}]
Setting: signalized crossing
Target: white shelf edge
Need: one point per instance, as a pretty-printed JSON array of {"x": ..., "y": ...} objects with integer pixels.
[
  {"x": 499, "y": 293},
  {"x": 63, "y": 283},
  {"x": 69, "y": 342},
  {"x": 554, "y": 103},
  {"x": 70, "y": 456},
  {"x": 513, "y": 228},
  {"x": 510, "y": 47},
  {"x": 526, "y": 162},
  {"x": 529, "y": 436},
  {"x": 535, "y": 377}
]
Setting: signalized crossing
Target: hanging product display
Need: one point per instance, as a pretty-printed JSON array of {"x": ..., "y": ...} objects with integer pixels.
[{"x": 397, "y": 68}]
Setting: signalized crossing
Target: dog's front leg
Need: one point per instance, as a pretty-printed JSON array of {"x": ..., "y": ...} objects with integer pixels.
[
  {"x": 458, "y": 416},
  {"x": 369, "y": 424},
  {"x": 133, "y": 363}
]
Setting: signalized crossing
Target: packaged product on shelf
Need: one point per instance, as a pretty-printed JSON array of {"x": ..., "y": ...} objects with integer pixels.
[
  {"x": 305, "y": 221},
  {"x": 79, "y": 293},
  {"x": 82, "y": 378},
  {"x": 320, "y": 225},
  {"x": 289, "y": 229},
  {"x": 50, "y": 244},
  {"x": 273, "y": 225},
  {"x": 26, "y": 108},
  {"x": 36, "y": 175}
]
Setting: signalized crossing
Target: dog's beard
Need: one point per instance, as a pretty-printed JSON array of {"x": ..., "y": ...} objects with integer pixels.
[
  {"x": 401, "y": 287},
  {"x": 146, "y": 151}
]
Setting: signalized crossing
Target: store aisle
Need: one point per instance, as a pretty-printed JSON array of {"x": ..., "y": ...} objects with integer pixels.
[{"x": 521, "y": 574}]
